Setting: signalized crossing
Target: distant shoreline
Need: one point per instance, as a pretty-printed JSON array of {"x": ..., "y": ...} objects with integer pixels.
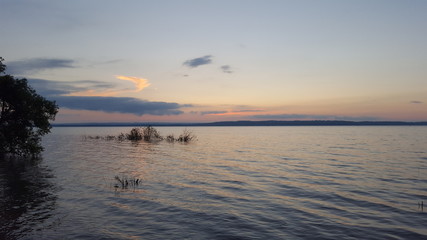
[{"x": 247, "y": 123}]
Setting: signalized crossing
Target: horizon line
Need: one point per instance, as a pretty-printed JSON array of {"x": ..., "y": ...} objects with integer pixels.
[{"x": 247, "y": 123}]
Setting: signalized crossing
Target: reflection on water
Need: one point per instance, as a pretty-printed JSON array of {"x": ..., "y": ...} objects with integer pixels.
[
  {"x": 233, "y": 183},
  {"x": 27, "y": 197}
]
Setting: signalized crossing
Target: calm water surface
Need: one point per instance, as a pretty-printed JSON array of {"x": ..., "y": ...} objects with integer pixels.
[{"x": 232, "y": 183}]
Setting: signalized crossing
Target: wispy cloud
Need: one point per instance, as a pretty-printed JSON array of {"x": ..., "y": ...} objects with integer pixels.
[
  {"x": 212, "y": 112},
  {"x": 195, "y": 62},
  {"x": 95, "y": 93},
  {"x": 140, "y": 83},
  {"x": 416, "y": 102},
  {"x": 53, "y": 88},
  {"x": 34, "y": 65},
  {"x": 230, "y": 112},
  {"x": 86, "y": 88},
  {"x": 226, "y": 69},
  {"x": 249, "y": 110}
]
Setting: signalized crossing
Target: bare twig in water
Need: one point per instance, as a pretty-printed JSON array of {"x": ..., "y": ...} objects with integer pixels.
[{"x": 125, "y": 182}]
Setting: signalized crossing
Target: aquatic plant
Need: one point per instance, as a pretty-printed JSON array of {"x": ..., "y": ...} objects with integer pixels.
[
  {"x": 170, "y": 138},
  {"x": 186, "y": 136},
  {"x": 134, "y": 135},
  {"x": 121, "y": 137},
  {"x": 147, "y": 134},
  {"x": 125, "y": 182}
]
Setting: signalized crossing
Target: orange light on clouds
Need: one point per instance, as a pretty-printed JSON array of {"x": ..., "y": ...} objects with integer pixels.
[
  {"x": 228, "y": 114},
  {"x": 93, "y": 93},
  {"x": 140, "y": 83}
]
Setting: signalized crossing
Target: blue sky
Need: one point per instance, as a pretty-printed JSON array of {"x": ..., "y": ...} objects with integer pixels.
[{"x": 197, "y": 61}]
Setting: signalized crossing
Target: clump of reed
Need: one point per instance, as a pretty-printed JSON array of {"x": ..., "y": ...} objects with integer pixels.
[
  {"x": 147, "y": 134},
  {"x": 185, "y": 137},
  {"x": 121, "y": 137},
  {"x": 134, "y": 135},
  {"x": 151, "y": 134},
  {"x": 170, "y": 138},
  {"x": 125, "y": 182}
]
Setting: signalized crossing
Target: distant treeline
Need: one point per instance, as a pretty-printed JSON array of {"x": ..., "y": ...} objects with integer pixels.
[{"x": 250, "y": 123}]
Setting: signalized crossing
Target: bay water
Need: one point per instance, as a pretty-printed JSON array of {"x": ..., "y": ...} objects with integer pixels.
[{"x": 337, "y": 182}]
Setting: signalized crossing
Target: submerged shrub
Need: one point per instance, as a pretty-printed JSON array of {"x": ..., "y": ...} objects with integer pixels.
[
  {"x": 186, "y": 136},
  {"x": 148, "y": 134},
  {"x": 170, "y": 138},
  {"x": 121, "y": 137},
  {"x": 135, "y": 134}
]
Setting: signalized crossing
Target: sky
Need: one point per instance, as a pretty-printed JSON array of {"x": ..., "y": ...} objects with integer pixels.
[{"x": 206, "y": 61}]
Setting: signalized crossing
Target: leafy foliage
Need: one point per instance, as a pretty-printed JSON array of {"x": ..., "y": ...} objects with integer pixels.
[
  {"x": 2, "y": 66},
  {"x": 24, "y": 116}
]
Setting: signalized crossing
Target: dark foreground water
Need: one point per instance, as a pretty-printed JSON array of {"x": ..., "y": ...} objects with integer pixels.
[{"x": 233, "y": 183}]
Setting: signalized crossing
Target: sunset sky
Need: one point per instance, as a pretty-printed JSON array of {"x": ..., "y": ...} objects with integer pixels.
[{"x": 203, "y": 61}]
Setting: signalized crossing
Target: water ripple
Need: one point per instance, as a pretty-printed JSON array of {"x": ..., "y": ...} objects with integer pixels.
[{"x": 233, "y": 183}]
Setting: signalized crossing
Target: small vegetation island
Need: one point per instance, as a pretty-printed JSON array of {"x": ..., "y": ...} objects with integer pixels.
[
  {"x": 24, "y": 116},
  {"x": 148, "y": 134}
]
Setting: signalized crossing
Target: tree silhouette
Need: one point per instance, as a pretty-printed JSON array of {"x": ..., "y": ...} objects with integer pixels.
[{"x": 24, "y": 116}]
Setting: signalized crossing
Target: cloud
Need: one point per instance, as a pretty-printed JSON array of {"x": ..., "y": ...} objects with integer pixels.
[
  {"x": 233, "y": 112},
  {"x": 64, "y": 94},
  {"x": 416, "y": 102},
  {"x": 226, "y": 69},
  {"x": 248, "y": 110},
  {"x": 312, "y": 117},
  {"x": 212, "y": 112},
  {"x": 35, "y": 65},
  {"x": 119, "y": 105},
  {"x": 53, "y": 88},
  {"x": 140, "y": 83},
  {"x": 85, "y": 87},
  {"x": 195, "y": 62}
]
